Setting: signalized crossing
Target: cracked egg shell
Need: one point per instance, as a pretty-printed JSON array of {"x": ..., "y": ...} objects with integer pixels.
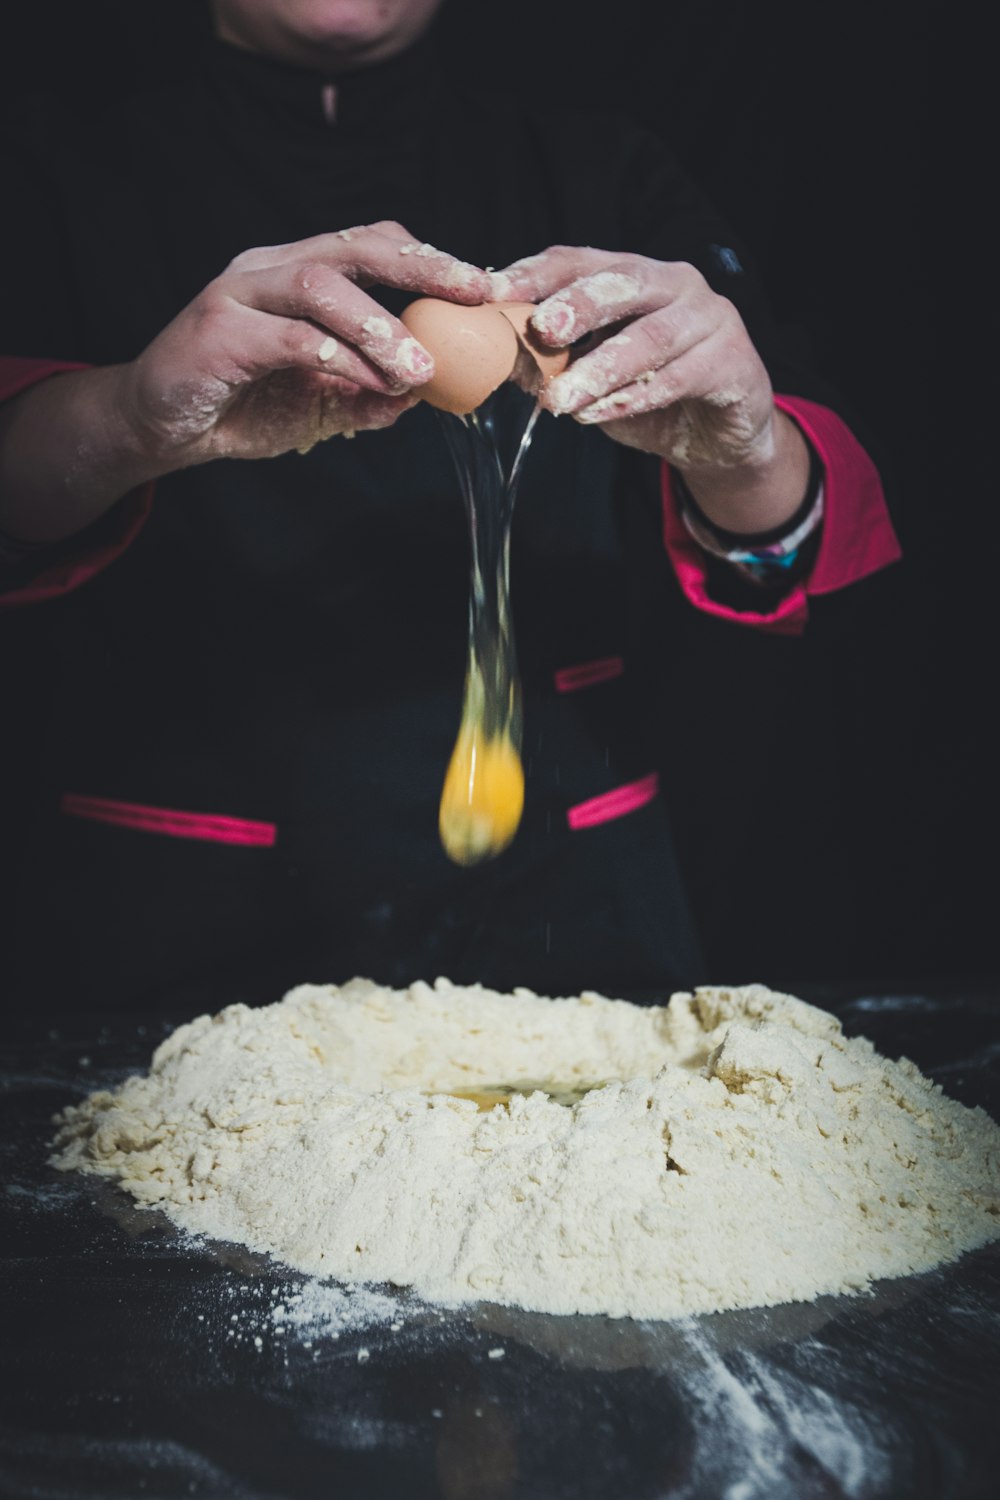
[
  {"x": 549, "y": 361},
  {"x": 474, "y": 350}
]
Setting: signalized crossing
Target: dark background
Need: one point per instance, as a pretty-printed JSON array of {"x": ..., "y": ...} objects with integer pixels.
[{"x": 851, "y": 834}]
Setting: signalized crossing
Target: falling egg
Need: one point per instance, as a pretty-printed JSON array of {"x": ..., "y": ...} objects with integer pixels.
[
  {"x": 483, "y": 795},
  {"x": 475, "y": 349}
]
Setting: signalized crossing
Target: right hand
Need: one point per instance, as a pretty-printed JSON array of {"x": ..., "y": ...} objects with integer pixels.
[{"x": 285, "y": 349}]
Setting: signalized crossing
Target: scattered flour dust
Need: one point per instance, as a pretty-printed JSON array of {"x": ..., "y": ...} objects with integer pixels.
[{"x": 729, "y": 1149}]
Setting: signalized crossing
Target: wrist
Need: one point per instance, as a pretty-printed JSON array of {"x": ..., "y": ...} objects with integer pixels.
[
  {"x": 148, "y": 444},
  {"x": 68, "y": 452},
  {"x": 761, "y": 493}
]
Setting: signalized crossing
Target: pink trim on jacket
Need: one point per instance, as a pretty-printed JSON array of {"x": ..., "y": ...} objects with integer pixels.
[
  {"x": 212, "y": 827},
  {"x": 857, "y": 537},
  {"x": 588, "y": 674},
  {"x": 16, "y": 376},
  {"x": 614, "y": 804}
]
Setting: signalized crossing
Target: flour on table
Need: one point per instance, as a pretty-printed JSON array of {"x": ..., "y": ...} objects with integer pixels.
[{"x": 729, "y": 1149}]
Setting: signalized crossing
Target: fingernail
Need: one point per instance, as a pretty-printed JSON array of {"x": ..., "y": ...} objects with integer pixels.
[
  {"x": 413, "y": 358},
  {"x": 560, "y": 395},
  {"x": 572, "y": 390},
  {"x": 556, "y": 322},
  {"x": 608, "y": 406}
]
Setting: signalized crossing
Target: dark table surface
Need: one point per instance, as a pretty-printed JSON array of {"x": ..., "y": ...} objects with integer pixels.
[{"x": 136, "y": 1362}]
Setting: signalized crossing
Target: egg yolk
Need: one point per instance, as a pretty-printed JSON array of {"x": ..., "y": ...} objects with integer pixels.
[{"x": 483, "y": 795}]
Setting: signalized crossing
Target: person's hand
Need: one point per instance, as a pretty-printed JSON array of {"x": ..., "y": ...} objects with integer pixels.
[
  {"x": 672, "y": 371},
  {"x": 281, "y": 350},
  {"x": 284, "y": 348},
  {"x": 666, "y": 366}
]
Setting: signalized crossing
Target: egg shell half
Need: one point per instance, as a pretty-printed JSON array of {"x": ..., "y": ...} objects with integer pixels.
[
  {"x": 474, "y": 350},
  {"x": 549, "y": 361}
]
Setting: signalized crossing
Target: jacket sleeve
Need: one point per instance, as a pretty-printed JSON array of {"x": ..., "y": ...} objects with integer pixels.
[
  {"x": 856, "y": 537},
  {"x": 33, "y": 572},
  {"x": 670, "y": 219}
]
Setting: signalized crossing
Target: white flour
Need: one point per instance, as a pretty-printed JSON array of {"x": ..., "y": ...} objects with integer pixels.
[{"x": 746, "y": 1153}]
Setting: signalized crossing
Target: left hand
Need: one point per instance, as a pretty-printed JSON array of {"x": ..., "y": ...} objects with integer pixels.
[{"x": 677, "y": 376}]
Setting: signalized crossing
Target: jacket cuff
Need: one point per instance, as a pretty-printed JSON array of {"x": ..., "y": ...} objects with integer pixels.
[
  {"x": 857, "y": 536},
  {"x": 33, "y": 572}
]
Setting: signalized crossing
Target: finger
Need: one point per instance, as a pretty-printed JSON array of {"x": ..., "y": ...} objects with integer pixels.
[
  {"x": 622, "y": 290},
  {"x": 702, "y": 372},
  {"x": 645, "y": 345},
  {"x": 385, "y": 253},
  {"x": 388, "y": 255},
  {"x": 537, "y": 276},
  {"x": 347, "y": 409},
  {"x": 313, "y": 291},
  {"x": 253, "y": 343},
  {"x": 326, "y": 406},
  {"x": 370, "y": 410},
  {"x": 391, "y": 228}
]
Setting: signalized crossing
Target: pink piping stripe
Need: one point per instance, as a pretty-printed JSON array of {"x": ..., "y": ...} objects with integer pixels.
[
  {"x": 214, "y": 828},
  {"x": 588, "y": 673},
  {"x": 624, "y": 799},
  {"x": 69, "y": 574}
]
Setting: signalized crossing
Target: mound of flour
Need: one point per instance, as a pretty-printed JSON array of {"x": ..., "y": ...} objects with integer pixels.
[{"x": 740, "y": 1152}]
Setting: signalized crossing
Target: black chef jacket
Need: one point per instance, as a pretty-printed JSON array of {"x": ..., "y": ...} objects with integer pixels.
[{"x": 284, "y": 641}]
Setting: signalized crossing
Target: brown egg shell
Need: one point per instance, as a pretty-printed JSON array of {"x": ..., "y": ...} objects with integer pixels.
[
  {"x": 474, "y": 350},
  {"x": 549, "y": 361}
]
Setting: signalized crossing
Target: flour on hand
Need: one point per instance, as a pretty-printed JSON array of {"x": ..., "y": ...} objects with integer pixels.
[{"x": 729, "y": 1149}]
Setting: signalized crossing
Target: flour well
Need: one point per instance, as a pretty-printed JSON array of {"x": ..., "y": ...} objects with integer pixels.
[{"x": 729, "y": 1149}]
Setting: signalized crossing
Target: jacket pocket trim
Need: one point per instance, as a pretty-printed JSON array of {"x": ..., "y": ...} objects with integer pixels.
[
  {"x": 588, "y": 674},
  {"x": 614, "y": 804},
  {"x": 213, "y": 828}
]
